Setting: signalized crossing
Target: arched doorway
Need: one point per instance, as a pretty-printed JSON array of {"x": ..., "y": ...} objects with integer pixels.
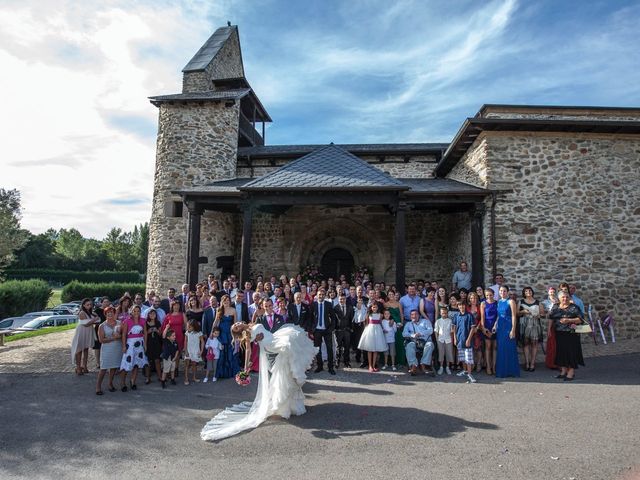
[{"x": 335, "y": 262}]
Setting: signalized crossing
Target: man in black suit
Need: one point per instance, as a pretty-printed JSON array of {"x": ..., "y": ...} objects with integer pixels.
[
  {"x": 344, "y": 327},
  {"x": 358, "y": 328},
  {"x": 165, "y": 304},
  {"x": 209, "y": 316},
  {"x": 242, "y": 310},
  {"x": 271, "y": 321},
  {"x": 324, "y": 321},
  {"x": 298, "y": 312}
]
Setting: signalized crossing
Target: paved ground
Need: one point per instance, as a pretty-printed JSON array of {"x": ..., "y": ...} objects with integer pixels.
[{"x": 359, "y": 425}]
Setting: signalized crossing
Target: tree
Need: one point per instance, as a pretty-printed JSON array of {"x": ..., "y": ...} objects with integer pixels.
[
  {"x": 70, "y": 247},
  {"x": 12, "y": 237},
  {"x": 39, "y": 251}
]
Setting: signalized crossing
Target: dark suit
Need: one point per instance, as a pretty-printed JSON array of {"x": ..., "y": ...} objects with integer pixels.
[
  {"x": 208, "y": 318},
  {"x": 304, "y": 319},
  {"x": 165, "y": 304},
  {"x": 278, "y": 322},
  {"x": 344, "y": 327},
  {"x": 245, "y": 313},
  {"x": 329, "y": 320}
]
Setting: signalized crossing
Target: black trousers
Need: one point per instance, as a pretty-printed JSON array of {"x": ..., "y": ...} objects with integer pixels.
[
  {"x": 358, "y": 328},
  {"x": 327, "y": 336},
  {"x": 343, "y": 337}
]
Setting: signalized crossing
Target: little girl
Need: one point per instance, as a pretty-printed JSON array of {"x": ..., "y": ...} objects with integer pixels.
[
  {"x": 213, "y": 348},
  {"x": 195, "y": 344},
  {"x": 373, "y": 339},
  {"x": 443, "y": 330},
  {"x": 389, "y": 328}
]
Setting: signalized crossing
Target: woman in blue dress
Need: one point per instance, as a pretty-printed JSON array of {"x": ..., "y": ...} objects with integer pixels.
[
  {"x": 228, "y": 364},
  {"x": 507, "y": 363},
  {"x": 488, "y": 317}
]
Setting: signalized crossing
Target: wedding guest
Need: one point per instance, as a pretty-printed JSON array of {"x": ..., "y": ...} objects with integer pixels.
[
  {"x": 323, "y": 325},
  {"x": 298, "y": 312},
  {"x": 83, "y": 336},
  {"x": 281, "y": 309},
  {"x": 507, "y": 363},
  {"x": 344, "y": 325},
  {"x": 575, "y": 299},
  {"x": 464, "y": 329},
  {"x": 195, "y": 345},
  {"x": 287, "y": 294},
  {"x": 417, "y": 334},
  {"x": 248, "y": 293},
  {"x": 170, "y": 356},
  {"x": 109, "y": 333},
  {"x": 104, "y": 303},
  {"x": 212, "y": 348},
  {"x": 428, "y": 305},
  {"x": 478, "y": 340},
  {"x": 242, "y": 309},
  {"x": 393, "y": 305},
  {"x": 488, "y": 317},
  {"x": 499, "y": 279},
  {"x": 209, "y": 315},
  {"x": 480, "y": 294},
  {"x": 410, "y": 302},
  {"x": 565, "y": 317},
  {"x": 443, "y": 330},
  {"x": 194, "y": 310},
  {"x": 359, "y": 319},
  {"x": 165, "y": 304},
  {"x": 176, "y": 321},
  {"x": 389, "y": 327},
  {"x": 228, "y": 363},
  {"x": 442, "y": 299},
  {"x": 530, "y": 312},
  {"x": 373, "y": 339},
  {"x": 461, "y": 278},
  {"x": 133, "y": 357},
  {"x": 550, "y": 354},
  {"x": 152, "y": 343},
  {"x": 124, "y": 305},
  {"x": 184, "y": 296}
]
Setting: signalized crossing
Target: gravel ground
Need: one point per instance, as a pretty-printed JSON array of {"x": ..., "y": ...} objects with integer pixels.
[{"x": 357, "y": 425}]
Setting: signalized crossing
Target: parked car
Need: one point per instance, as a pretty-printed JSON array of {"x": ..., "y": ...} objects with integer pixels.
[
  {"x": 67, "y": 308},
  {"x": 39, "y": 314},
  {"x": 13, "y": 322},
  {"x": 47, "y": 321}
]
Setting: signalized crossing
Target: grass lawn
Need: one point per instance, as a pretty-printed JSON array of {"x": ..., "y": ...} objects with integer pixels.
[
  {"x": 37, "y": 333},
  {"x": 54, "y": 299}
]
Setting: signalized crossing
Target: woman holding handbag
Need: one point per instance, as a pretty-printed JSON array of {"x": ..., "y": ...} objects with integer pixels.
[{"x": 565, "y": 317}]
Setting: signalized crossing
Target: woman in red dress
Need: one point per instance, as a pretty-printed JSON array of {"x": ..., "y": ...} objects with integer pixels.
[{"x": 176, "y": 321}]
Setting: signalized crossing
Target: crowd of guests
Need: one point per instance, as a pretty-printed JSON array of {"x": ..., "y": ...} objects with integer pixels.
[{"x": 431, "y": 329}]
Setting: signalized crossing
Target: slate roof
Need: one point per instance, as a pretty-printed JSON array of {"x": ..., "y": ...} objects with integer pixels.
[
  {"x": 355, "y": 148},
  {"x": 444, "y": 186},
  {"x": 328, "y": 168},
  {"x": 209, "y": 50},
  {"x": 220, "y": 95}
]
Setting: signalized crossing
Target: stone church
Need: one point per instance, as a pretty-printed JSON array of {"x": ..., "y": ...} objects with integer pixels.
[{"x": 542, "y": 194}]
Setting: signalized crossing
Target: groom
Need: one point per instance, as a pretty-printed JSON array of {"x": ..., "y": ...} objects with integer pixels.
[
  {"x": 324, "y": 322},
  {"x": 271, "y": 321}
]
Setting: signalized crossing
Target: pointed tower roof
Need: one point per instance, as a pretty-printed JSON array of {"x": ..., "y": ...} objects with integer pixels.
[
  {"x": 222, "y": 47},
  {"x": 328, "y": 168}
]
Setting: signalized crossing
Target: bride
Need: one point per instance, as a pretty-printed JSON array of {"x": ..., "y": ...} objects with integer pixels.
[{"x": 279, "y": 385}]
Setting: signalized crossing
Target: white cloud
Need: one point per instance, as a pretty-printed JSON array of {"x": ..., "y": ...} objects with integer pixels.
[{"x": 67, "y": 68}]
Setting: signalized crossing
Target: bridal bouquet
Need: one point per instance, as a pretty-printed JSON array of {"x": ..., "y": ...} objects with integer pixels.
[{"x": 243, "y": 378}]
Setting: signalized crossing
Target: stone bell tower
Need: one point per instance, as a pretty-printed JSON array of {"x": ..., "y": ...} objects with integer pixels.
[{"x": 199, "y": 131}]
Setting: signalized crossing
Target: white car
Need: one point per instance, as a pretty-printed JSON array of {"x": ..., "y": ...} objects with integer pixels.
[
  {"x": 66, "y": 308},
  {"x": 47, "y": 321},
  {"x": 13, "y": 322}
]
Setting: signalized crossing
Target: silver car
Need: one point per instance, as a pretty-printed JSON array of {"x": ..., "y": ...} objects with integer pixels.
[{"x": 47, "y": 321}]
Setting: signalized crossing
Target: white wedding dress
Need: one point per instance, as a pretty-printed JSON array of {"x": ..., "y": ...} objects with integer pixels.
[{"x": 279, "y": 393}]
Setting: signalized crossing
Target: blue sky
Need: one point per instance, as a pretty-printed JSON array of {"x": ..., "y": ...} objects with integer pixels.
[{"x": 81, "y": 133}]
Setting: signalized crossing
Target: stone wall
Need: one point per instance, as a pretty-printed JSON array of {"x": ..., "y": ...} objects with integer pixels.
[
  {"x": 571, "y": 214},
  {"x": 416, "y": 167},
  {"x": 283, "y": 243},
  {"x": 196, "y": 145}
]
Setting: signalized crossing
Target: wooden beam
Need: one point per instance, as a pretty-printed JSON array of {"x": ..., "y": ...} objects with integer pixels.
[
  {"x": 477, "y": 257},
  {"x": 193, "y": 244},
  {"x": 245, "y": 249},
  {"x": 400, "y": 242}
]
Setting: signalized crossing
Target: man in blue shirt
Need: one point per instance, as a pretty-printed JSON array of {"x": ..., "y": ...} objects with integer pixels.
[
  {"x": 464, "y": 328},
  {"x": 409, "y": 302},
  {"x": 577, "y": 300},
  {"x": 417, "y": 335}
]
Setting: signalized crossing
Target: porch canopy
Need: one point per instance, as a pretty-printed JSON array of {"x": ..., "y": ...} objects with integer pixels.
[{"x": 331, "y": 176}]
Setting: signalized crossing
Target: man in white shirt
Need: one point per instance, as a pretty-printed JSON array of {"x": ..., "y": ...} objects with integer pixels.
[
  {"x": 254, "y": 306},
  {"x": 499, "y": 279},
  {"x": 417, "y": 334}
]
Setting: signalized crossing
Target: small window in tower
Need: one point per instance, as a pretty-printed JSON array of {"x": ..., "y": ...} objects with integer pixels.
[{"x": 173, "y": 209}]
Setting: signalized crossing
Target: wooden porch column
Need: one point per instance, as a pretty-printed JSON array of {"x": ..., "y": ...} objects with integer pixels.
[
  {"x": 245, "y": 249},
  {"x": 477, "y": 257},
  {"x": 193, "y": 244},
  {"x": 400, "y": 247}
]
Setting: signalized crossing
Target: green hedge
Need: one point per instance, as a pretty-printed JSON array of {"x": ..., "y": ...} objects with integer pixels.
[
  {"x": 18, "y": 297},
  {"x": 78, "y": 290},
  {"x": 66, "y": 276}
]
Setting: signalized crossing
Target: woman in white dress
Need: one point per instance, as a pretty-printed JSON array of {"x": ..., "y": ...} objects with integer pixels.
[{"x": 279, "y": 386}]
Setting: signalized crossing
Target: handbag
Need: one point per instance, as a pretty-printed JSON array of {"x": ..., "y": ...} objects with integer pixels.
[{"x": 584, "y": 328}]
